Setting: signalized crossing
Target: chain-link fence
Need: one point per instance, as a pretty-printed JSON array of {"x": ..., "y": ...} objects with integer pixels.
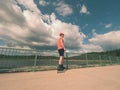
[{"x": 15, "y": 60}]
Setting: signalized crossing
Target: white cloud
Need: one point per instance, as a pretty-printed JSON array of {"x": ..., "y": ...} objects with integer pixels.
[
  {"x": 86, "y": 25},
  {"x": 84, "y": 10},
  {"x": 31, "y": 29},
  {"x": 91, "y": 48},
  {"x": 107, "y": 41},
  {"x": 108, "y": 25},
  {"x": 63, "y": 9},
  {"x": 8, "y": 16},
  {"x": 43, "y": 3},
  {"x": 28, "y": 28},
  {"x": 23, "y": 28},
  {"x": 94, "y": 32},
  {"x": 29, "y": 5},
  {"x": 73, "y": 37}
]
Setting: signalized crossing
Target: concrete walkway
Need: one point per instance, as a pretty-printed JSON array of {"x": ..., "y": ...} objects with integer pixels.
[{"x": 95, "y": 78}]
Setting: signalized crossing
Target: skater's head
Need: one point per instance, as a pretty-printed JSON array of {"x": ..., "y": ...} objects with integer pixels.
[{"x": 61, "y": 34}]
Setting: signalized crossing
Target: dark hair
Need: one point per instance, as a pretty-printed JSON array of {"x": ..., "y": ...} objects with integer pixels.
[{"x": 61, "y": 34}]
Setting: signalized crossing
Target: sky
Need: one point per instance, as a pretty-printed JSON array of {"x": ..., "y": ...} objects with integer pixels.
[{"x": 88, "y": 25}]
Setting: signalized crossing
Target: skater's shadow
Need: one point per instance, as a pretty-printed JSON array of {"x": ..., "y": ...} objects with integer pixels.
[{"x": 61, "y": 71}]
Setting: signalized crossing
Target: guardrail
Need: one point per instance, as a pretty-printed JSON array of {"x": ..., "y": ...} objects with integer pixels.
[{"x": 17, "y": 60}]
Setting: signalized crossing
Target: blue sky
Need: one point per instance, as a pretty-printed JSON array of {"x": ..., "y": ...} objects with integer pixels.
[
  {"x": 89, "y": 25},
  {"x": 101, "y": 14}
]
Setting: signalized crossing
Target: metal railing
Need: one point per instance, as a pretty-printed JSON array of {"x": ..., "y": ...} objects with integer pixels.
[
  {"x": 16, "y": 60},
  {"x": 88, "y": 60}
]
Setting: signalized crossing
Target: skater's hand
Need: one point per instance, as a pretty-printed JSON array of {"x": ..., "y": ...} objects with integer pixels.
[{"x": 64, "y": 49}]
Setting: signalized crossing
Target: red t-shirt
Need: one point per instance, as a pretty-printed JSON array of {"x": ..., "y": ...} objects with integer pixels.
[{"x": 60, "y": 43}]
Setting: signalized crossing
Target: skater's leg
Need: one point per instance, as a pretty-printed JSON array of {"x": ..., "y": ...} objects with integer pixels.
[{"x": 61, "y": 59}]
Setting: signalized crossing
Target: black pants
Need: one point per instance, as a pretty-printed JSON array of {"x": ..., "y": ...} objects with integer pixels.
[{"x": 61, "y": 52}]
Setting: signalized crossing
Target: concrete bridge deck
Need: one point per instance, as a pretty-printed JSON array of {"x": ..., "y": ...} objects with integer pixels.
[{"x": 95, "y": 78}]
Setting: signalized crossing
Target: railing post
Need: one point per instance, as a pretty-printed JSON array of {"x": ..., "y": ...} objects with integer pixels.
[
  {"x": 66, "y": 60},
  {"x": 110, "y": 60},
  {"x": 118, "y": 60},
  {"x": 35, "y": 62},
  {"x": 100, "y": 60},
  {"x": 86, "y": 58}
]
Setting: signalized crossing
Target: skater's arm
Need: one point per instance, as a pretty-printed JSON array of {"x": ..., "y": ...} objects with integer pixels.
[{"x": 62, "y": 43}]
